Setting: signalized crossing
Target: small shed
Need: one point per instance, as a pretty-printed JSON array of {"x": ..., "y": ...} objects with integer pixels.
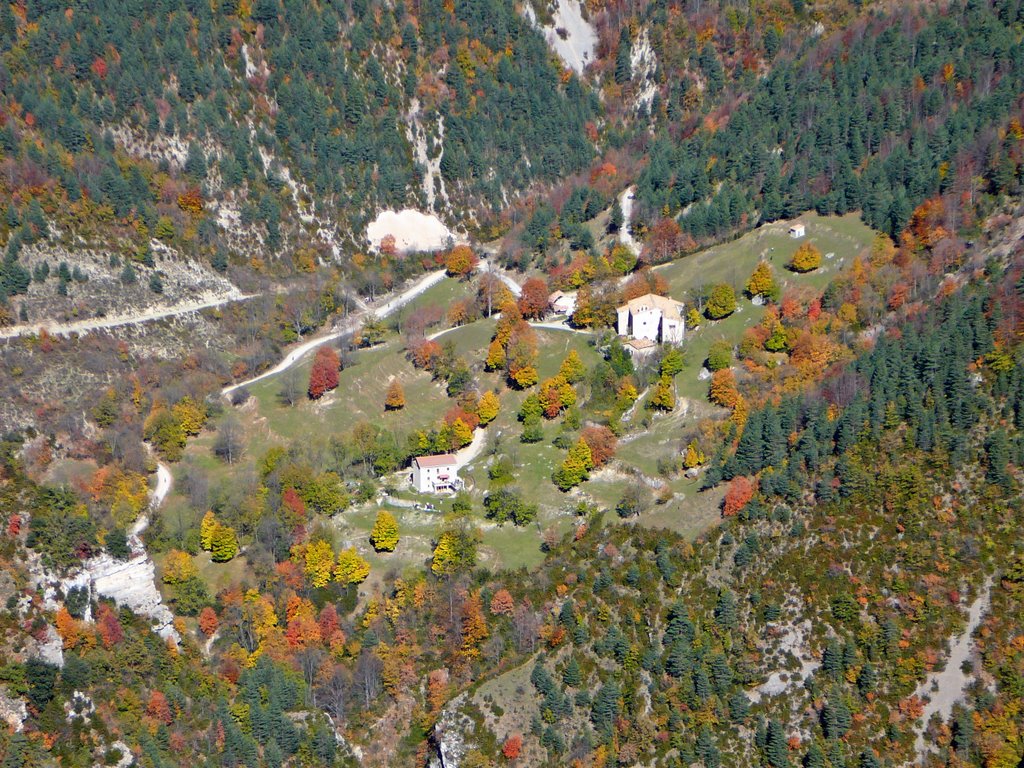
[{"x": 797, "y": 231}]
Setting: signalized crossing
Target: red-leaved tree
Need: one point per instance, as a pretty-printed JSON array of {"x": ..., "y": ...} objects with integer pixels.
[
  {"x": 740, "y": 492},
  {"x": 533, "y": 302},
  {"x": 512, "y": 747},
  {"x": 323, "y": 377}
]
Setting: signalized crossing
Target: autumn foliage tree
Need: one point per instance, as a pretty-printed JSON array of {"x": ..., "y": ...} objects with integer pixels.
[
  {"x": 502, "y": 603},
  {"x": 739, "y": 493},
  {"x": 723, "y": 389},
  {"x": 208, "y": 621},
  {"x": 323, "y": 376},
  {"x": 806, "y": 259},
  {"x": 521, "y": 357},
  {"x": 318, "y": 562},
  {"x": 762, "y": 282},
  {"x": 394, "y": 399},
  {"x": 460, "y": 261},
  {"x": 384, "y": 536},
  {"x": 601, "y": 441},
  {"x": 512, "y": 747},
  {"x": 158, "y": 708},
  {"x": 474, "y": 624},
  {"x": 351, "y": 568},
  {"x": 644, "y": 282},
  {"x": 664, "y": 396},
  {"x": 178, "y": 567},
  {"x": 488, "y": 407},
  {"x": 533, "y": 302},
  {"x": 575, "y": 468},
  {"x": 721, "y": 302}
]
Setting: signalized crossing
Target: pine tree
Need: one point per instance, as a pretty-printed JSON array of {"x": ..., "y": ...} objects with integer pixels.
[
  {"x": 623, "y": 58},
  {"x": 571, "y": 675},
  {"x": 615, "y": 218},
  {"x": 776, "y": 750}
]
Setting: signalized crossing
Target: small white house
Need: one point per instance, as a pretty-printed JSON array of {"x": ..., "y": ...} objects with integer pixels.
[
  {"x": 436, "y": 474},
  {"x": 652, "y": 317},
  {"x": 797, "y": 231},
  {"x": 562, "y": 303}
]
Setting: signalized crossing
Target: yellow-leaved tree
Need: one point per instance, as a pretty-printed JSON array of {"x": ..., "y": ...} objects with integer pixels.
[
  {"x": 384, "y": 536},
  {"x": 178, "y": 567},
  {"x": 319, "y": 563},
  {"x": 351, "y": 568},
  {"x": 206, "y": 528},
  {"x": 394, "y": 399},
  {"x": 488, "y": 407},
  {"x": 806, "y": 259}
]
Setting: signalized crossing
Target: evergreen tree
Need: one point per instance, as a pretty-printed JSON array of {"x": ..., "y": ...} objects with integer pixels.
[{"x": 623, "y": 58}]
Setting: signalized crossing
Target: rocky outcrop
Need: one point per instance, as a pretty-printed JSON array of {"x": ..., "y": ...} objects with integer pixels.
[
  {"x": 451, "y": 735},
  {"x": 130, "y": 583},
  {"x": 12, "y": 711}
]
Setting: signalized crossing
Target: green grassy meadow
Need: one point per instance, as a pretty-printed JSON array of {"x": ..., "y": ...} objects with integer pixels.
[{"x": 267, "y": 421}]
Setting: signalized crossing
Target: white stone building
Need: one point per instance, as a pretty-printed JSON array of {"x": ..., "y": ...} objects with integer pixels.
[
  {"x": 562, "y": 303},
  {"x": 797, "y": 231},
  {"x": 654, "y": 318},
  {"x": 436, "y": 474}
]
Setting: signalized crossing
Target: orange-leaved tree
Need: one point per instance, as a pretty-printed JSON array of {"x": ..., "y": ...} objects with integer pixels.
[{"x": 738, "y": 495}]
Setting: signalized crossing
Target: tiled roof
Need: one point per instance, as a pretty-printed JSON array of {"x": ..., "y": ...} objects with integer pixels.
[
  {"x": 443, "y": 460},
  {"x": 670, "y": 308}
]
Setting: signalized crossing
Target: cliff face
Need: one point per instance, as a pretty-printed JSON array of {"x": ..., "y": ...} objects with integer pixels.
[{"x": 452, "y": 735}]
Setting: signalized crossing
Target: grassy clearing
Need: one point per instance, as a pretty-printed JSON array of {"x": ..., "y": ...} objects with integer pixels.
[
  {"x": 442, "y": 294},
  {"x": 359, "y": 398},
  {"x": 843, "y": 236}
]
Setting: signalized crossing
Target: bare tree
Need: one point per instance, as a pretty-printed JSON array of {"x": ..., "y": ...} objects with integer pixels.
[
  {"x": 292, "y": 391},
  {"x": 368, "y": 681},
  {"x": 335, "y": 693},
  {"x": 228, "y": 446},
  {"x": 196, "y": 485},
  {"x": 310, "y": 660},
  {"x": 525, "y": 628}
]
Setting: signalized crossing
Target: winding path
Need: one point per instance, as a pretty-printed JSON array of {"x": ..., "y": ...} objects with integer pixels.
[
  {"x": 625, "y": 231},
  {"x": 349, "y": 325},
  {"x": 207, "y": 301}
]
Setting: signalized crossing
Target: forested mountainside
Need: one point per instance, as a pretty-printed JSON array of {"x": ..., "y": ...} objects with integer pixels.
[
  {"x": 107, "y": 107},
  {"x": 792, "y": 539}
]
